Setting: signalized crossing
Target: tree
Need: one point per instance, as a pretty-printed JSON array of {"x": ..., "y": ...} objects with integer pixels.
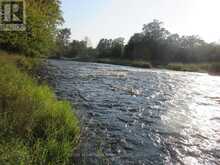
[
  {"x": 191, "y": 46},
  {"x": 77, "y": 48},
  {"x": 62, "y": 41},
  {"x": 190, "y": 42},
  {"x": 104, "y": 47},
  {"x": 159, "y": 46},
  {"x": 155, "y": 31},
  {"x": 111, "y": 48},
  {"x": 155, "y": 36},
  {"x": 42, "y": 20},
  {"x": 136, "y": 48},
  {"x": 117, "y": 47},
  {"x": 63, "y": 36}
]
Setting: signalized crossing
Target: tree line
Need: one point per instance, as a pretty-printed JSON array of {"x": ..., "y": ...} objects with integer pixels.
[
  {"x": 154, "y": 44},
  {"x": 158, "y": 45}
]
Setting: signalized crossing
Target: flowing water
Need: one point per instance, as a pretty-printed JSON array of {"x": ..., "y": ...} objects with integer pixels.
[{"x": 136, "y": 116}]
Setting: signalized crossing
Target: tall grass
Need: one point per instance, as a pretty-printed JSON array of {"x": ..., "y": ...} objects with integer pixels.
[
  {"x": 212, "y": 68},
  {"x": 189, "y": 67},
  {"x": 35, "y": 128}
]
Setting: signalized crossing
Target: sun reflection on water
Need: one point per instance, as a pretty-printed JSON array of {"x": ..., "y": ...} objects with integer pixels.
[{"x": 194, "y": 113}]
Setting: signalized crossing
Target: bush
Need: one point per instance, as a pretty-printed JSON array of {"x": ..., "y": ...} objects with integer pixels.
[{"x": 35, "y": 127}]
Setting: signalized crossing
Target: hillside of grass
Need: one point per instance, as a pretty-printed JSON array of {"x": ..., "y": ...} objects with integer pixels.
[{"x": 35, "y": 127}]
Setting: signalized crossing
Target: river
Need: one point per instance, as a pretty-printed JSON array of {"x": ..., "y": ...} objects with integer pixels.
[{"x": 134, "y": 116}]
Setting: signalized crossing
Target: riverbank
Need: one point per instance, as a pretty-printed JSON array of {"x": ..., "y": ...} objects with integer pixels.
[
  {"x": 134, "y": 63},
  {"x": 211, "y": 68},
  {"x": 35, "y": 127},
  {"x": 123, "y": 62}
]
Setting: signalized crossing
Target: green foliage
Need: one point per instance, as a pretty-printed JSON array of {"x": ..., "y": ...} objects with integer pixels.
[
  {"x": 38, "y": 39},
  {"x": 104, "y": 47},
  {"x": 204, "y": 67},
  {"x": 35, "y": 127},
  {"x": 77, "y": 48},
  {"x": 155, "y": 31},
  {"x": 159, "y": 46},
  {"x": 14, "y": 152},
  {"x": 62, "y": 41},
  {"x": 155, "y": 45},
  {"x": 136, "y": 48},
  {"x": 28, "y": 64},
  {"x": 111, "y": 48}
]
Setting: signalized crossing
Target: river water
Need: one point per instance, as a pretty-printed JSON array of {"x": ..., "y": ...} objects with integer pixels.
[{"x": 134, "y": 116}]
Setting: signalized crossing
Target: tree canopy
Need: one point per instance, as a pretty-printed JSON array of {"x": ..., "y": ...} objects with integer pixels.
[
  {"x": 42, "y": 19},
  {"x": 157, "y": 45}
]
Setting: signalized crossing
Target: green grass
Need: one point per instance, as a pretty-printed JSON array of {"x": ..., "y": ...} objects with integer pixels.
[
  {"x": 188, "y": 67},
  {"x": 35, "y": 127},
  {"x": 211, "y": 68}
]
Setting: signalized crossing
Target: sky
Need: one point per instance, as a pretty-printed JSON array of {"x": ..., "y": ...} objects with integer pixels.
[{"x": 122, "y": 18}]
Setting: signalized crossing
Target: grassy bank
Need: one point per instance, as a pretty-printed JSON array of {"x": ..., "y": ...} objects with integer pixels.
[
  {"x": 124, "y": 62},
  {"x": 35, "y": 127},
  {"x": 188, "y": 67},
  {"x": 212, "y": 68},
  {"x": 134, "y": 63}
]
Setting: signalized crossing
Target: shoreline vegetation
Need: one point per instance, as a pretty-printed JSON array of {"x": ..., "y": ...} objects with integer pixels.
[
  {"x": 35, "y": 127},
  {"x": 153, "y": 47},
  {"x": 210, "y": 68}
]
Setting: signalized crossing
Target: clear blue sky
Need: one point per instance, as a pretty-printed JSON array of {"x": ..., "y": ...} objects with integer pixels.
[{"x": 122, "y": 18}]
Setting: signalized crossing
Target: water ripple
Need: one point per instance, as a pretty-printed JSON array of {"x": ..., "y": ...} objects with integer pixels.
[{"x": 137, "y": 116}]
